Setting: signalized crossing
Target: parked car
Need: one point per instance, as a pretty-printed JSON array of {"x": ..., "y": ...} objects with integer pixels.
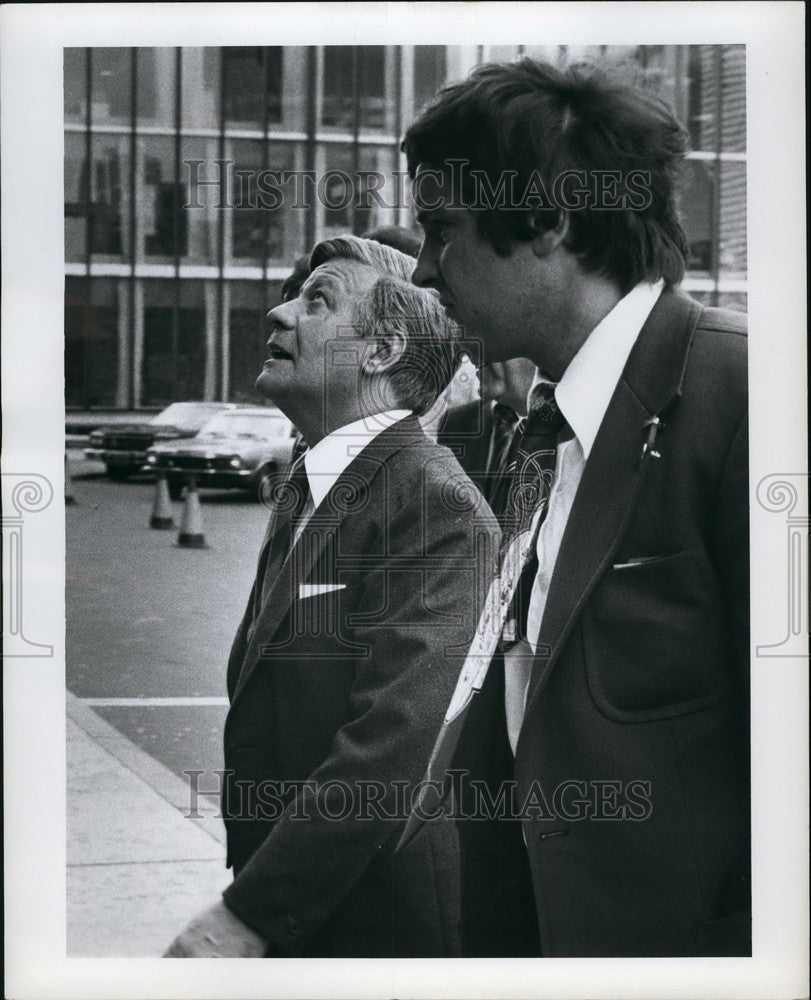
[
  {"x": 242, "y": 448},
  {"x": 123, "y": 447}
]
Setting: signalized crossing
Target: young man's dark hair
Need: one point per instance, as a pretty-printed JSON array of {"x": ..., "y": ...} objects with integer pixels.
[{"x": 533, "y": 126}]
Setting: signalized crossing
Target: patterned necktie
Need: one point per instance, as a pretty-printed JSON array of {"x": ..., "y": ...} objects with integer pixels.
[
  {"x": 531, "y": 470},
  {"x": 530, "y": 473},
  {"x": 505, "y": 420}
]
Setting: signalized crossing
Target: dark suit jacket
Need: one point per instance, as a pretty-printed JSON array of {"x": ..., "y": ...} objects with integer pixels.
[
  {"x": 466, "y": 430},
  {"x": 349, "y": 687},
  {"x": 641, "y": 676}
]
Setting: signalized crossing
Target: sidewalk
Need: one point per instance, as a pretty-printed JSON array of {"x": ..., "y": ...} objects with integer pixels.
[{"x": 138, "y": 870}]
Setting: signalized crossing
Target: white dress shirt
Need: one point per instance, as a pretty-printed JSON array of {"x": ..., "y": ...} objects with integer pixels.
[
  {"x": 583, "y": 395},
  {"x": 325, "y": 461}
]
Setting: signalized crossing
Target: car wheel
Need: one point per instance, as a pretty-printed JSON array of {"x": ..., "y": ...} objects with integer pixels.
[
  {"x": 175, "y": 485},
  {"x": 261, "y": 483},
  {"x": 117, "y": 473}
]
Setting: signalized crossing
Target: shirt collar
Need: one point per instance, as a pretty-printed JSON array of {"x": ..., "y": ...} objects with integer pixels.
[
  {"x": 584, "y": 392},
  {"x": 325, "y": 461}
]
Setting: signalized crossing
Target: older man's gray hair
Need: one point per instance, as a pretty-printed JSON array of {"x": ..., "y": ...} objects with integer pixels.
[{"x": 393, "y": 306}]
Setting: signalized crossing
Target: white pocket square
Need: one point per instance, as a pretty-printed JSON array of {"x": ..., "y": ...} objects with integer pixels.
[{"x": 314, "y": 589}]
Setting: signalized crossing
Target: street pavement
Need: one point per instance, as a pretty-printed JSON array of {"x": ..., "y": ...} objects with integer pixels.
[{"x": 149, "y": 627}]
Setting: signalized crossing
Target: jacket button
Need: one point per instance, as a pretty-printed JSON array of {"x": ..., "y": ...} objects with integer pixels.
[{"x": 292, "y": 926}]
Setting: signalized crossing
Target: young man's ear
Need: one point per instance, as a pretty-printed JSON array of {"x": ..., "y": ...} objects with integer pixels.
[
  {"x": 544, "y": 241},
  {"x": 384, "y": 351}
]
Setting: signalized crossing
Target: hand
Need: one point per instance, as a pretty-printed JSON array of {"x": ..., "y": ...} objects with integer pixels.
[{"x": 217, "y": 933}]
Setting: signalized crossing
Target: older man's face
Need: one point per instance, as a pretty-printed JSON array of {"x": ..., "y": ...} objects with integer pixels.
[{"x": 305, "y": 363}]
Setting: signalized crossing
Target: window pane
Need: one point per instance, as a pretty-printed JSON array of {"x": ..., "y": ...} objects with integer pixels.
[
  {"x": 356, "y": 189},
  {"x": 266, "y": 213},
  {"x": 430, "y": 70},
  {"x": 724, "y": 300},
  {"x": 273, "y": 294},
  {"x": 338, "y": 105},
  {"x": 702, "y": 97},
  {"x": 377, "y": 66},
  {"x": 733, "y": 120},
  {"x": 109, "y": 196},
  {"x": 200, "y": 223},
  {"x": 75, "y": 62},
  {"x": 294, "y": 89},
  {"x": 156, "y": 87},
  {"x": 91, "y": 342},
  {"x": 252, "y": 85},
  {"x": 247, "y": 336},
  {"x": 75, "y": 197},
  {"x": 110, "y": 85},
  {"x": 375, "y": 188},
  {"x": 335, "y": 172},
  {"x": 174, "y": 342},
  {"x": 200, "y": 98},
  {"x": 696, "y": 211},
  {"x": 162, "y": 222},
  {"x": 732, "y": 253},
  {"x": 733, "y": 300},
  {"x": 77, "y": 315},
  {"x": 285, "y": 221},
  {"x": 249, "y": 221}
]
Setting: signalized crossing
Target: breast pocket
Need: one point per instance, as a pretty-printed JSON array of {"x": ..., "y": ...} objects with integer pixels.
[{"x": 656, "y": 640}]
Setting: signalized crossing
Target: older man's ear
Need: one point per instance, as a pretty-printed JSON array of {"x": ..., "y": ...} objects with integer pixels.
[{"x": 384, "y": 351}]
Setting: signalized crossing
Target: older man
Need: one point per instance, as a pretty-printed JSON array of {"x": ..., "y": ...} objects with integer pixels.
[
  {"x": 548, "y": 202},
  {"x": 364, "y": 601}
]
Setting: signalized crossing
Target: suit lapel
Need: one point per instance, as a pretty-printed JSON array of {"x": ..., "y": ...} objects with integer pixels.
[
  {"x": 649, "y": 386},
  {"x": 316, "y": 538}
]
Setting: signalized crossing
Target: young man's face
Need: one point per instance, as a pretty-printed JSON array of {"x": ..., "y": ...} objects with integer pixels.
[
  {"x": 303, "y": 366},
  {"x": 490, "y": 296}
]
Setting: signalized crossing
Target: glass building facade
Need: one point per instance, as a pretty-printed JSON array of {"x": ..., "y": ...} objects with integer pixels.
[{"x": 186, "y": 194}]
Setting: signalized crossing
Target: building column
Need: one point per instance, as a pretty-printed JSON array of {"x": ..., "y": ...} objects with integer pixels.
[
  {"x": 123, "y": 380},
  {"x": 210, "y": 380},
  {"x": 137, "y": 323},
  {"x": 225, "y": 344}
]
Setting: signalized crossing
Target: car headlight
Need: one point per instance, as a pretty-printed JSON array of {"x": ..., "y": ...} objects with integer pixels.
[
  {"x": 151, "y": 459},
  {"x": 235, "y": 463}
]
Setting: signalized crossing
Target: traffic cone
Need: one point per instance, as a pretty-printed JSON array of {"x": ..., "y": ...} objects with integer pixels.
[
  {"x": 69, "y": 497},
  {"x": 191, "y": 525},
  {"x": 161, "y": 507}
]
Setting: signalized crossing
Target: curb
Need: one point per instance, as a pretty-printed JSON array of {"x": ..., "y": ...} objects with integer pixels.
[{"x": 165, "y": 783}]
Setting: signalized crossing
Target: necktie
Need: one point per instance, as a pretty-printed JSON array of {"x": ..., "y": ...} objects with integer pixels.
[
  {"x": 501, "y": 438},
  {"x": 530, "y": 473},
  {"x": 290, "y": 499}
]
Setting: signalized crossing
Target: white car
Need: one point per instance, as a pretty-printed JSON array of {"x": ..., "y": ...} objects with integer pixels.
[{"x": 241, "y": 448}]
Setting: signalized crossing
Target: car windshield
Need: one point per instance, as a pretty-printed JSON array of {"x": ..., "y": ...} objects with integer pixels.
[
  {"x": 258, "y": 425},
  {"x": 186, "y": 416}
]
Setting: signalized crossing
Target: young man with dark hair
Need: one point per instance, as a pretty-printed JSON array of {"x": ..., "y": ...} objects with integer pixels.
[{"x": 617, "y": 704}]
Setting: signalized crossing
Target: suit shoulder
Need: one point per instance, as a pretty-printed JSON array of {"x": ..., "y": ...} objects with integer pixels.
[
  {"x": 434, "y": 471},
  {"x": 720, "y": 342},
  {"x": 714, "y": 320},
  {"x": 716, "y": 375}
]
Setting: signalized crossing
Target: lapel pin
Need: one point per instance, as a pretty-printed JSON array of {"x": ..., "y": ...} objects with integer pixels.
[{"x": 653, "y": 425}]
